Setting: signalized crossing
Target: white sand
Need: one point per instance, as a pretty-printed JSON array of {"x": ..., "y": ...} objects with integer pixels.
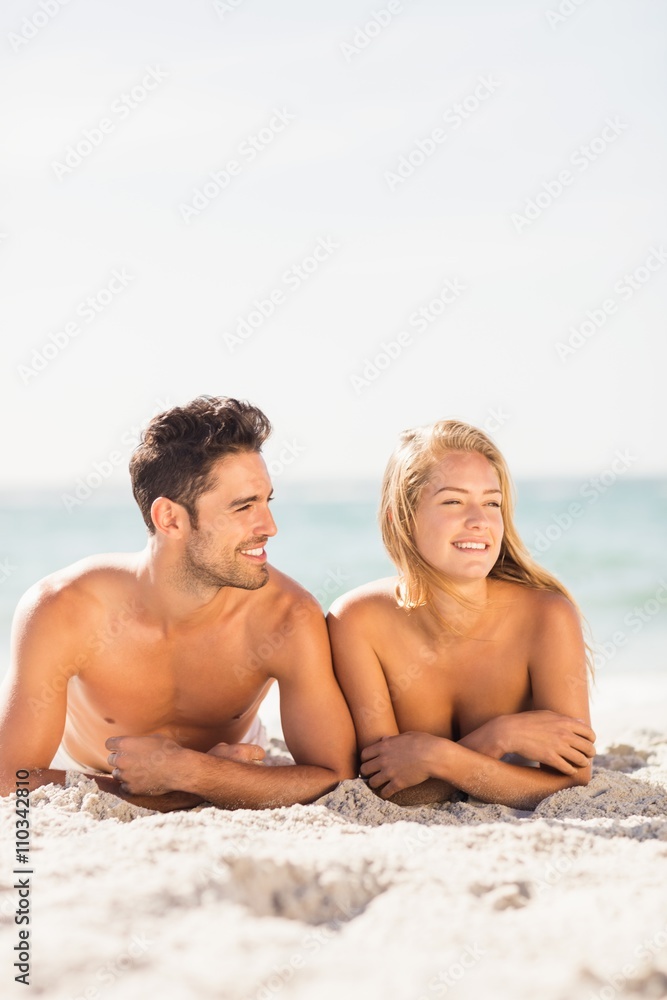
[{"x": 353, "y": 898}]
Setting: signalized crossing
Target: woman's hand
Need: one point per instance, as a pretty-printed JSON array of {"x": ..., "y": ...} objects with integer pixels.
[
  {"x": 558, "y": 741},
  {"x": 398, "y": 762}
]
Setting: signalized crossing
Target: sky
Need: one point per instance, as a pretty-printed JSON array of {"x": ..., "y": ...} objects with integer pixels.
[{"x": 359, "y": 216}]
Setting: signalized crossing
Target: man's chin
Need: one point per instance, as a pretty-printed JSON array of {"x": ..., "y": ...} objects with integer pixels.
[{"x": 258, "y": 581}]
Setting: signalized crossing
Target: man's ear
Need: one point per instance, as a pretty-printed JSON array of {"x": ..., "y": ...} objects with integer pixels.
[{"x": 169, "y": 518}]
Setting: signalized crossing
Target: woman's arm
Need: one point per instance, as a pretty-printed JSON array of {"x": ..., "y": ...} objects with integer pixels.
[
  {"x": 397, "y": 762},
  {"x": 559, "y": 683},
  {"x": 362, "y": 680},
  {"x": 359, "y": 672},
  {"x": 547, "y": 737}
]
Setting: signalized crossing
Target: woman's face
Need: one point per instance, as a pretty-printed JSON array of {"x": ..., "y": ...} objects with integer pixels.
[{"x": 459, "y": 521}]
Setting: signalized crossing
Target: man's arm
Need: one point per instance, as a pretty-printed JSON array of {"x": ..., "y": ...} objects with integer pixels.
[
  {"x": 160, "y": 803},
  {"x": 316, "y": 723},
  {"x": 33, "y": 700}
]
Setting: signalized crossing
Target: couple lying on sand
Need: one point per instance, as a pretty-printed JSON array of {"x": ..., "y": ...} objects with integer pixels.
[{"x": 148, "y": 669}]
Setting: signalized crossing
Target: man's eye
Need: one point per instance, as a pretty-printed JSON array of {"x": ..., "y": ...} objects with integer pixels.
[{"x": 246, "y": 507}]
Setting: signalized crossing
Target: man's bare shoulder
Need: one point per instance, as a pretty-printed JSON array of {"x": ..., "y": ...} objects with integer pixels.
[
  {"x": 285, "y": 598},
  {"x": 288, "y": 621},
  {"x": 83, "y": 589},
  {"x": 371, "y": 602}
]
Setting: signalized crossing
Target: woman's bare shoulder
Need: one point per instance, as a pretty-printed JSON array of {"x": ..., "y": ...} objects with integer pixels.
[
  {"x": 546, "y": 610},
  {"x": 368, "y": 602}
]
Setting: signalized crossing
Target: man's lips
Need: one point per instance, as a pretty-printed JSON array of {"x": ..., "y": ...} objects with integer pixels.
[{"x": 255, "y": 554}]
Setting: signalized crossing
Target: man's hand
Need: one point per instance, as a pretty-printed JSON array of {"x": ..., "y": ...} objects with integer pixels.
[
  {"x": 144, "y": 765},
  {"x": 161, "y": 803},
  {"x": 398, "y": 762},
  {"x": 243, "y": 753},
  {"x": 152, "y": 765},
  {"x": 558, "y": 741}
]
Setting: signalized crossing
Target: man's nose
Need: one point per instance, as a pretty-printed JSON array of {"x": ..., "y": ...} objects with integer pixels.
[{"x": 266, "y": 524}]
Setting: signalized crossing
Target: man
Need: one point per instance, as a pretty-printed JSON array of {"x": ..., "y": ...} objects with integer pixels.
[{"x": 152, "y": 665}]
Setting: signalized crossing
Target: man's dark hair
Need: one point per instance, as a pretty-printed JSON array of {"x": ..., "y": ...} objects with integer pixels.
[{"x": 179, "y": 448}]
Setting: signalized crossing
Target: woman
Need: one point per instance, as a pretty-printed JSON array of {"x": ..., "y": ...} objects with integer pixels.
[{"x": 473, "y": 652}]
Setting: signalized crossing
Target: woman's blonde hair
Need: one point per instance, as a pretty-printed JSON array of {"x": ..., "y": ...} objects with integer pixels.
[{"x": 408, "y": 472}]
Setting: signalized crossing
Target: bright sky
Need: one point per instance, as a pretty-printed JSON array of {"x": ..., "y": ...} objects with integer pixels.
[{"x": 369, "y": 167}]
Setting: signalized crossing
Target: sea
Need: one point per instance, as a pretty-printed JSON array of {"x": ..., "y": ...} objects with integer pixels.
[{"x": 606, "y": 541}]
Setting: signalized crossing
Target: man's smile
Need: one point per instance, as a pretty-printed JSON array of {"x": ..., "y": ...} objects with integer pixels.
[{"x": 255, "y": 554}]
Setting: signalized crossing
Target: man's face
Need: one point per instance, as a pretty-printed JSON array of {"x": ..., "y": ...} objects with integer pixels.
[{"x": 227, "y": 549}]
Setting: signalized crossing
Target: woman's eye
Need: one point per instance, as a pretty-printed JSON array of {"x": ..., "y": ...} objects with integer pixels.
[{"x": 448, "y": 503}]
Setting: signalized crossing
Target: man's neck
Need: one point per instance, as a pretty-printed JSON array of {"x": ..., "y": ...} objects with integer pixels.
[{"x": 170, "y": 603}]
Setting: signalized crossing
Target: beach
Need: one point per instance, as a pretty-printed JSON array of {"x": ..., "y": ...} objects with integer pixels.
[
  {"x": 356, "y": 897},
  {"x": 353, "y": 897},
  {"x": 362, "y": 221}
]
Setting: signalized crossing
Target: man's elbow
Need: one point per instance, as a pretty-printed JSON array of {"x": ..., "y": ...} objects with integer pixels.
[
  {"x": 9, "y": 778},
  {"x": 10, "y": 782},
  {"x": 16, "y": 781},
  {"x": 6, "y": 786}
]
